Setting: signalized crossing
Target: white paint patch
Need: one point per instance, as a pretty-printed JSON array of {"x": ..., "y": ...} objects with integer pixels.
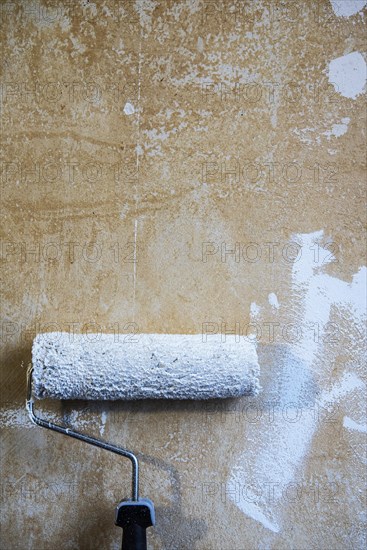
[
  {"x": 154, "y": 134},
  {"x": 281, "y": 443},
  {"x": 90, "y": 6},
  {"x": 307, "y": 135},
  {"x": 273, "y": 300},
  {"x": 156, "y": 137},
  {"x": 129, "y": 109},
  {"x": 15, "y": 418},
  {"x": 103, "y": 422},
  {"x": 348, "y": 74},
  {"x": 338, "y": 130},
  {"x": 254, "y": 309},
  {"x": 193, "y": 6},
  {"x": 347, "y": 8},
  {"x": 200, "y": 44},
  {"x": 120, "y": 50},
  {"x": 78, "y": 46},
  {"x": 348, "y": 383},
  {"x": 144, "y": 9},
  {"x": 65, "y": 23},
  {"x": 351, "y": 424},
  {"x": 19, "y": 418}
]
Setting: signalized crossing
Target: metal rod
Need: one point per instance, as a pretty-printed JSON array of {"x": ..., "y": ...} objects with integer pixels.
[{"x": 83, "y": 437}]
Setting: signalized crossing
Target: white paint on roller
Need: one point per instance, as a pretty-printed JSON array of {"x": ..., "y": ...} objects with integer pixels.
[
  {"x": 167, "y": 366},
  {"x": 347, "y": 8},
  {"x": 273, "y": 300},
  {"x": 351, "y": 424},
  {"x": 282, "y": 444},
  {"x": 348, "y": 74}
]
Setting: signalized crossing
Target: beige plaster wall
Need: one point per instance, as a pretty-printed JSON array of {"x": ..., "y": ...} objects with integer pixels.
[{"x": 183, "y": 167}]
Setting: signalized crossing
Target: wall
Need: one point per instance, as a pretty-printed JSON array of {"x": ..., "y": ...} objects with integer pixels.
[{"x": 167, "y": 165}]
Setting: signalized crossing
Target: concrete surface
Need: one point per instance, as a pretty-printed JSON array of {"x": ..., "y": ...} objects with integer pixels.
[{"x": 188, "y": 167}]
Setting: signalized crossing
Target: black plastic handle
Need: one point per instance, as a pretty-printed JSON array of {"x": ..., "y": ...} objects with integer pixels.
[
  {"x": 134, "y": 517},
  {"x": 134, "y": 537}
]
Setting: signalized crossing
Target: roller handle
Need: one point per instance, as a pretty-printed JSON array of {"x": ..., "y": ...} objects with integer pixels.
[
  {"x": 134, "y": 537},
  {"x": 135, "y": 517}
]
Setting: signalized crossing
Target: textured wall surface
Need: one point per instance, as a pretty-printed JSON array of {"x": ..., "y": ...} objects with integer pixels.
[{"x": 188, "y": 167}]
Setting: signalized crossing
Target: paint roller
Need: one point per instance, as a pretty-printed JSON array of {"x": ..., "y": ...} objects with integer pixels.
[{"x": 146, "y": 366}]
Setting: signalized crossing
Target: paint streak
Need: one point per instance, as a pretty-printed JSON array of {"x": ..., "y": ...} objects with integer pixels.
[
  {"x": 280, "y": 443},
  {"x": 273, "y": 300},
  {"x": 351, "y": 424},
  {"x": 135, "y": 262}
]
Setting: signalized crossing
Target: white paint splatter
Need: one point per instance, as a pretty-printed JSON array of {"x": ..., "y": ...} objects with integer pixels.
[
  {"x": 145, "y": 9},
  {"x": 200, "y": 44},
  {"x": 18, "y": 418},
  {"x": 338, "y": 130},
  {"x": 307, "y": 135},
  {"x": 351, "y": 424},
  {"x": 129, "y": 109},
  {"x": 15, "y": 418},
  {"x": 78, "y": 46},
  {"x": 347, "y": 8},
  {"x": 90, "y": 6},
  {"x": 155, "y": 134},
  {"x": 273, "y": 300},
  {"x": 120, "y": 50},
  {"x": 193, "y": 6},
  {"x": 254, "y": 309},
  {"x": 103, "y": 422},
  {"x": 156, "y": 137},
  {"x": 348, "y": 74}
]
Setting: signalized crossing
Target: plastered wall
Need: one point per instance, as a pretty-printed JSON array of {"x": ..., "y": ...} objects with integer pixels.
[{"x": 188, "y": 167}]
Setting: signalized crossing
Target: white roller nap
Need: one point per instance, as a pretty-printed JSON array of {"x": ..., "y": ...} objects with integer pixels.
[{"x": 167, "y": 366}]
